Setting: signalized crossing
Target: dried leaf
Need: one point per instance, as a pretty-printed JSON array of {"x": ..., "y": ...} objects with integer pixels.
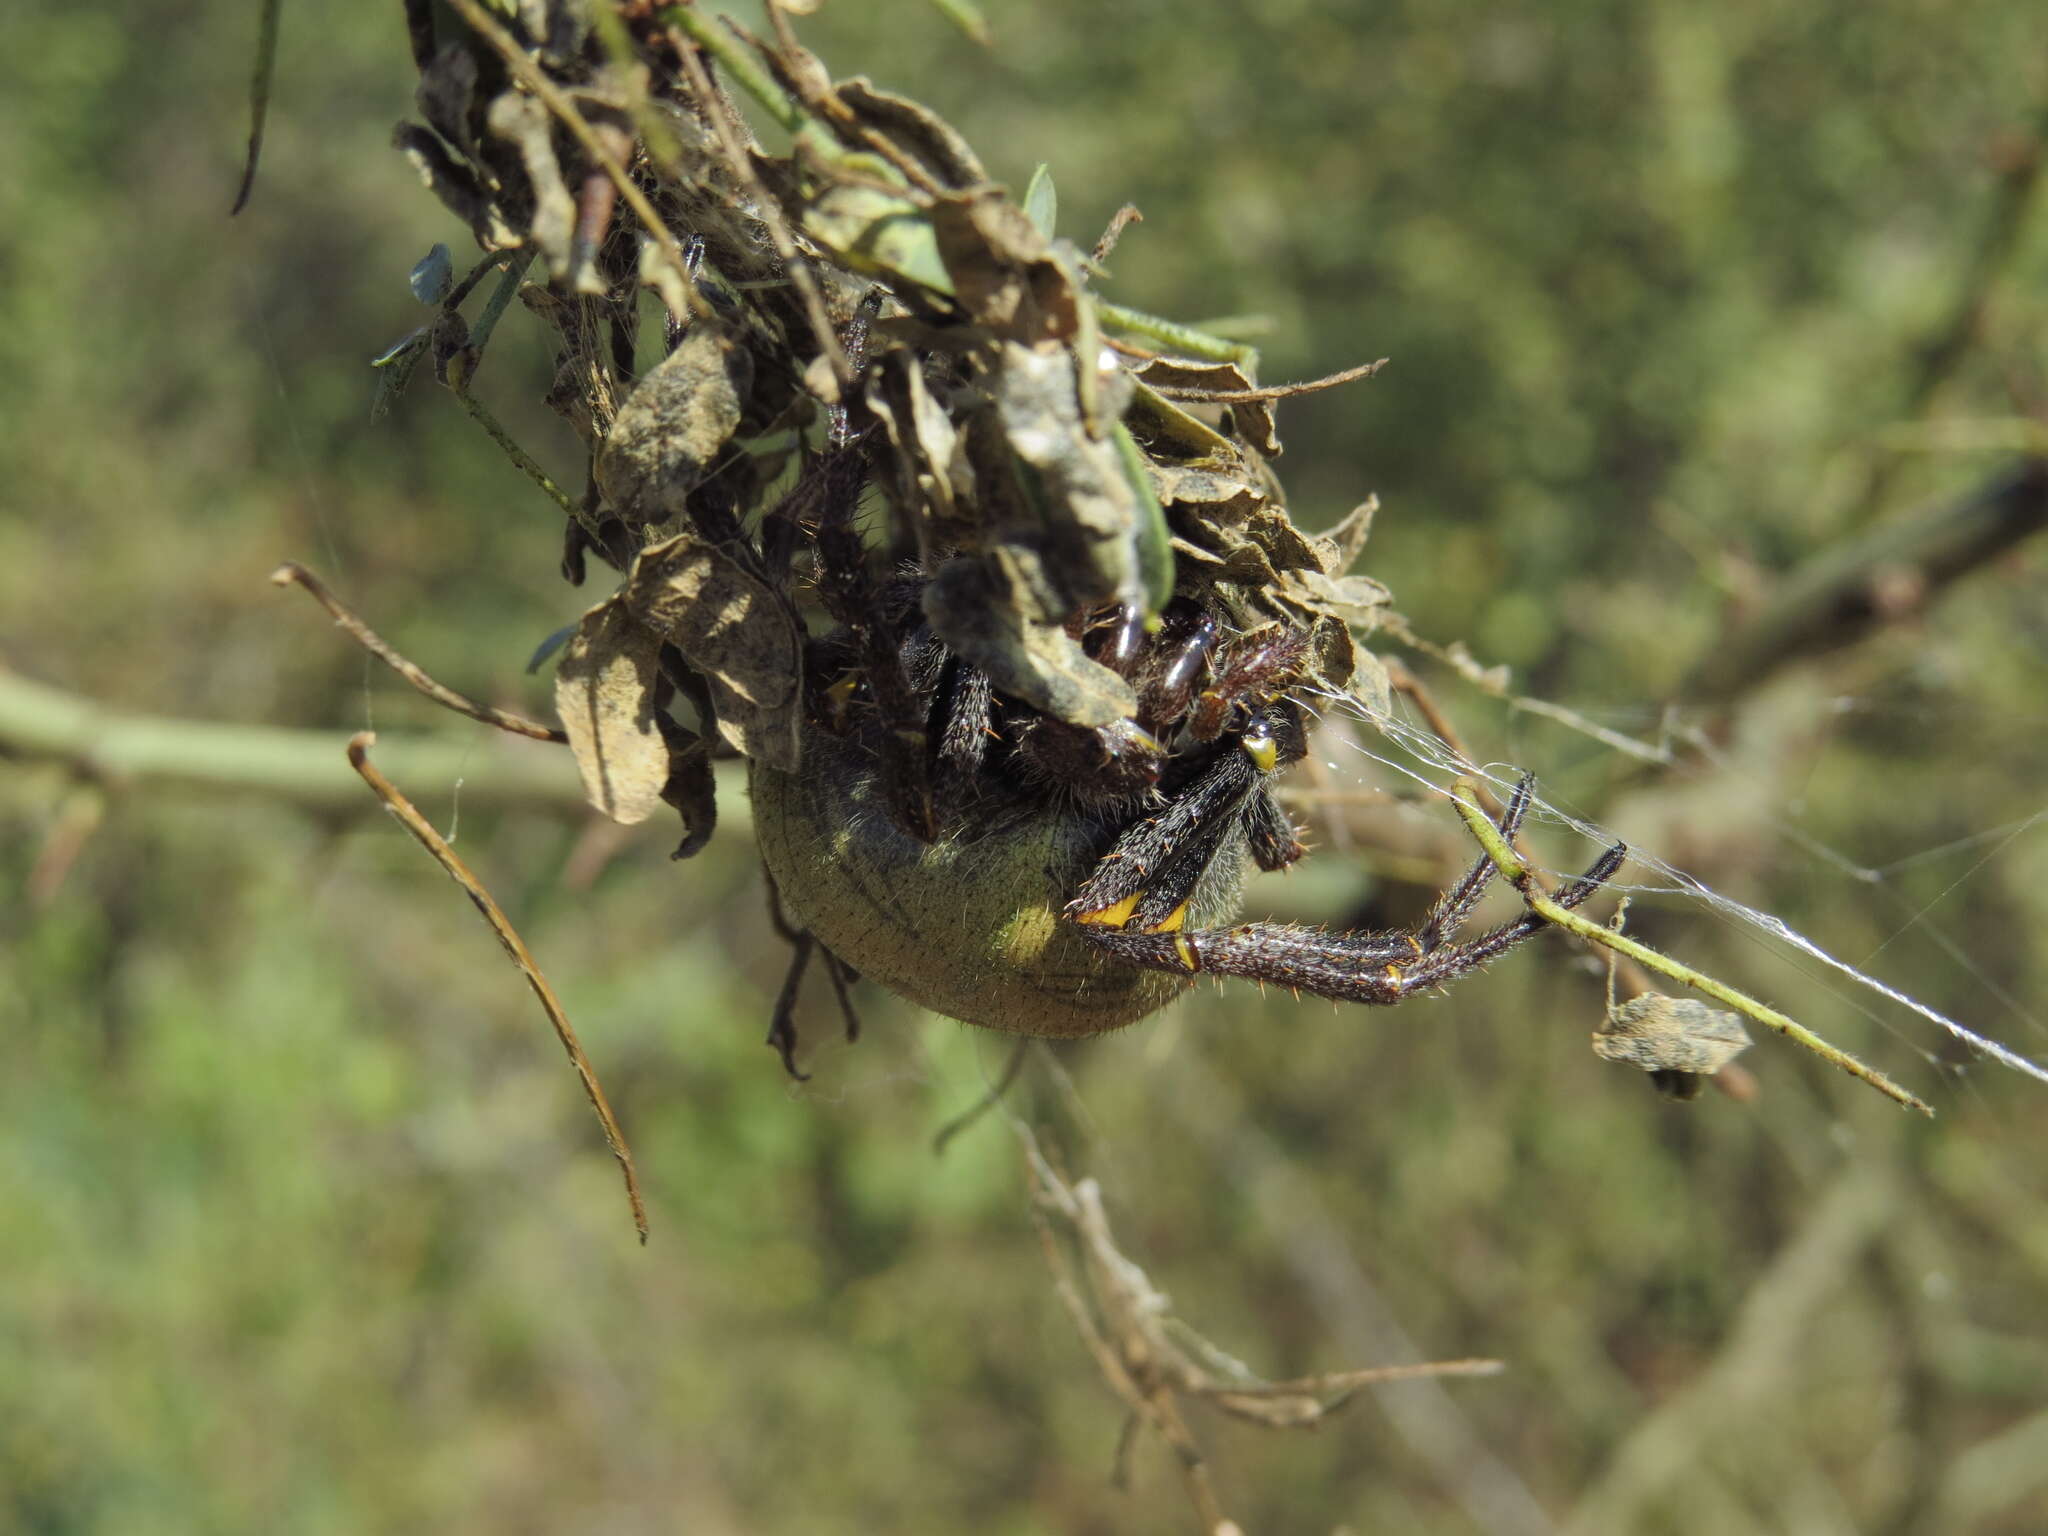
[
  {"x": 674, "y": 426},
  {"x": 1253, "y": 419},
  {"x": 1004, "y": 271},
  {"x": 1090, "y": 507},
  {"x": 524, "y": 123},
  {"x": 604, "y": 692},
  {"x": 915, "y": 128},
  {"x": 979, "y": 613},
  {"x": 1657, "y": 1033},
  {"x": 452, "y": 182},
  {"x": 734, "y": 630}
]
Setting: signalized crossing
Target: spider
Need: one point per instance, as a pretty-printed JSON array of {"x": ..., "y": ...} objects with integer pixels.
[{"x": 1078, "y": 880}]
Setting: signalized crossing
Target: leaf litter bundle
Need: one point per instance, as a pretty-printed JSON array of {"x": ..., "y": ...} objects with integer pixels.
[{"x": 988, "y": 580}]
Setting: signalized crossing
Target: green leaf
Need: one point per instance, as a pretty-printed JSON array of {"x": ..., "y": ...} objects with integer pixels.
[{"x": 1041, "y": 202}]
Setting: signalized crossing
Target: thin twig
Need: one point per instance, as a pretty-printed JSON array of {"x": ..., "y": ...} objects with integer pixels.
[
  {"x": 408, "y": 815},
  {"x": 292, "y": 573},
  {"x": 1119, "y": 221},
  {"x": 1519, "y": 875},
  {"x": 260, "y": 78},
  {"x": 1845, "y": 592},
  {"x": 523, "y": 461},
  {"x": 1270, "y": 391},
  {"x": 1150, "y": 1359}
]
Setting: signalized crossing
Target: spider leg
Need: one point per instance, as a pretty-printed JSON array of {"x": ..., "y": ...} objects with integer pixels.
[
  {"x": 1147, "y": 878},
  {"x": 1451, "y": 909},
  {"x": 1447, "y": 962},
  {"x": 1144, "y": 927}
]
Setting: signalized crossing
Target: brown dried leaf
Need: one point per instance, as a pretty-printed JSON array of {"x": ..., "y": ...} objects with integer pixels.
[
  {"x": 457, "y": 187},
  {"x": 1002, "y": 269},
  {"x": 1090, "y": 507},
  {"x": 915, "y": 128},
  {"x": 1253, "y": 419},
  {"x": 524, "y": 123},
  {"x": 979, "y": 613},
  {"x": 674, "y": 426},
  {"x": 1657, "y": 1033},
  {"x": 604, "y": 692},
  {"x": 734, "y": 630}
]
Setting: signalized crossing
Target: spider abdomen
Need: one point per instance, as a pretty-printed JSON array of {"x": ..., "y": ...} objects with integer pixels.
[{"x": 969, "y": 925}]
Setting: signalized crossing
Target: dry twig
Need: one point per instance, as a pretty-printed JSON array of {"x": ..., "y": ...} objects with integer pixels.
[
  {"x": 292, "y": 573},
  {"x": 408, "y": 815},
  {"x": 1151, "y": 1359}
]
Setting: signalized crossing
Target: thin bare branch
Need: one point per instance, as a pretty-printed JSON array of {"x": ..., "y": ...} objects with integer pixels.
[
  {"x": 1272, "y": 391},
  {"x": 423, "y": 831},
  {"x": 292, "y": 573}
]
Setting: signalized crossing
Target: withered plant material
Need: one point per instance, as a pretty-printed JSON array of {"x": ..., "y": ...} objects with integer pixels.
[
  {"x": 291, "y": 573},
  {"x": 604, "y": 691},
  {"x": 1660, "y": 1033},
  {"x": 851, "y": 410},
  {"x": 1028, "y": 472},
  {"x": 1152, "y": 1360}
]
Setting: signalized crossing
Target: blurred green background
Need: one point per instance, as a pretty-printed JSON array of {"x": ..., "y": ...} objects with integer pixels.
[{"x": 303, "y": 1224}]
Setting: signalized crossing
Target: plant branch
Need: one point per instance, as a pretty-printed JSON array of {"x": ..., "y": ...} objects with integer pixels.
[
  {"x": 300, "y": 766},
  {"x": 1842, "y": 594},
  {"x": 515, "y": 948},
  {"x": 292, "y": 573},
  {"x": 1518, "y": 873}
]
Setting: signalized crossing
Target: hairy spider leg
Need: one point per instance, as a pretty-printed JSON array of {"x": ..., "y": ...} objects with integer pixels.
[
  {"x": 1148, "y": 877},
  {"x": 782, "y": 1030},
  {"x": 826, "y": 501},
  {"x": 1141, "y": 928},
  {"x": 1448, "y": 913}
]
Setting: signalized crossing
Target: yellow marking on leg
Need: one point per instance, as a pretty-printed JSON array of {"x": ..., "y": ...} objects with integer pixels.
[
  {"x": 1112, "y": 917},
  {"x": 1185, "y": 948},
  {"x": 1264, "y": 751},
  {"x": 1172, "y": 921}
]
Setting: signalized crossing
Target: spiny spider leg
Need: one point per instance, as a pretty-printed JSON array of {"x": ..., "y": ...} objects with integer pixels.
[
  {"x": 828, "y": 499},
  {"x": 1448, "y": 962},
  {"x": 1456, "y": 904},
  {"x": 1375, "y": 968}
]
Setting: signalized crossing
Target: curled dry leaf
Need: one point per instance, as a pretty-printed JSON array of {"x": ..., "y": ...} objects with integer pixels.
[
  {"x": 977, "y": 609},
  {"x": 1188, "y": 379},
  {"x": 604, "y": 692},
  {"x": 674, "y": 426},
  {"x": 734, "y": 630},
  {"x": 1659, "y": 1033}
]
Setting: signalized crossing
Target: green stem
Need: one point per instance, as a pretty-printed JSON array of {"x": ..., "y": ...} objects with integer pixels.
[
  {"x": 518, "y": 455},
  {"x": 1184, "y": 340},
  {"x": 302, "y": 766},
  {"x": 739, "y": 68},
  {"x": 1511, "y": 865}
]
